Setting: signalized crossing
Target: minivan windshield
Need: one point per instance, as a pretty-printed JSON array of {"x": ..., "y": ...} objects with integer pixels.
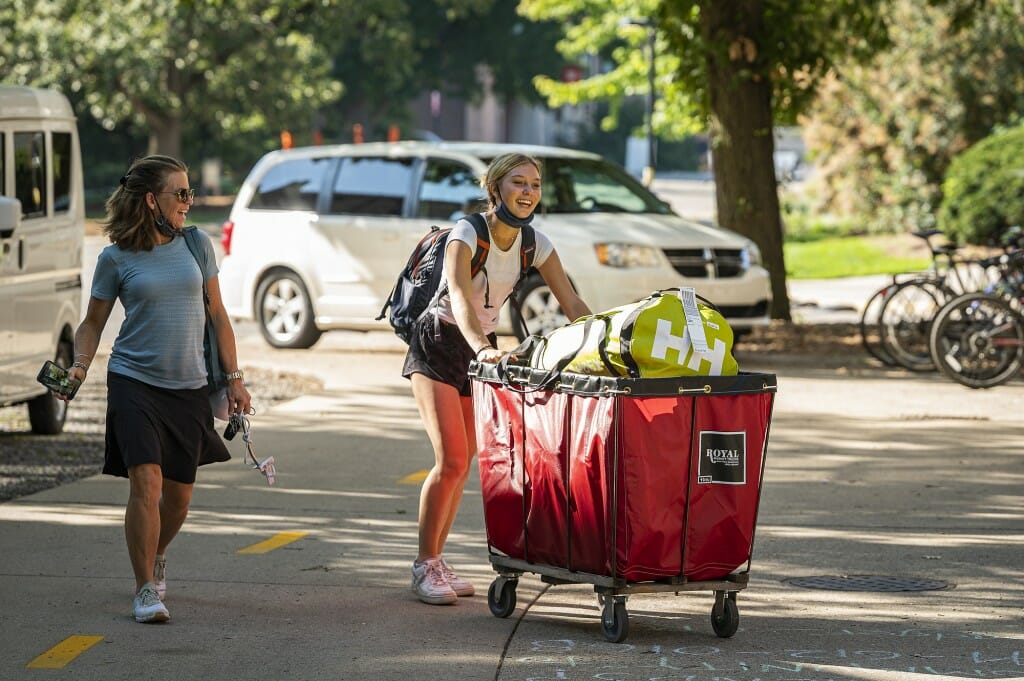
[{"x": 583, "y": 185}]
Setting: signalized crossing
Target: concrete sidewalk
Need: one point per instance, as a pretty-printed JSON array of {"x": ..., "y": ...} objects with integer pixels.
[{"x": 869, "y": 472}]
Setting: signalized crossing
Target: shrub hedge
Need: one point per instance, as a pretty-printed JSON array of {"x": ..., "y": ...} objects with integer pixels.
[{"x": 983, "y": 191}]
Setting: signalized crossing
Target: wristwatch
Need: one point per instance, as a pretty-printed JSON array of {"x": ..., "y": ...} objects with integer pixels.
[{"x": 234, "y": 374}]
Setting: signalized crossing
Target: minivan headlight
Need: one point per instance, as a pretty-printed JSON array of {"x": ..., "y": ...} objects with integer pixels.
[
  {"x": 627, "y": 255},
  {"x": 751, "y": 255}
]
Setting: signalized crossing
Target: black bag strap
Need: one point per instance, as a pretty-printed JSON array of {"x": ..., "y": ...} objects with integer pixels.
[
  {"x": 199, "y": 253},
  {"x": 191, "y": 235}
]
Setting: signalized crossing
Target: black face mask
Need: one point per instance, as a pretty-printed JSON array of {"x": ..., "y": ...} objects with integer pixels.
[
  {"x": 505, "y": 215},
  {"x": 163, "y": 225}
]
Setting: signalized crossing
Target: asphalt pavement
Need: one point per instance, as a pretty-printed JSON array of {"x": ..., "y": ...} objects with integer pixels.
[{"x": 875, "y": 478}]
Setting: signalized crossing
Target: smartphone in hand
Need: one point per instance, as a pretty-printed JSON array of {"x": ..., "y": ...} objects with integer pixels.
[{"x": 56, "y": 379}]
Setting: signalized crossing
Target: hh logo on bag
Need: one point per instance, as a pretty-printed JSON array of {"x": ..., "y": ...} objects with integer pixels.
[{"x": 723, "y": 458}]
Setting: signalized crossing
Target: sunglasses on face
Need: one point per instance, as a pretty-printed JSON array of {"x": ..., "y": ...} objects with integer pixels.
[{"x": 183, "y": 195}]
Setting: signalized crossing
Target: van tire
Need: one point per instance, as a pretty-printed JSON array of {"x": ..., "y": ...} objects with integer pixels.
[
  {"x": 285, "y": 312},
  {"x": 47, "y": 414}
]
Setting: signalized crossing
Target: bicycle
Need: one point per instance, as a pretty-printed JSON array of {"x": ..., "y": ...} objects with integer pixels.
[
  {"x": 977, "y": 339},
  {"x": 895, "y": 321}
]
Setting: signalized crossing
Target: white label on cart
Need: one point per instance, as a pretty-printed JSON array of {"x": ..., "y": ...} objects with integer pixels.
[
  {"x": 694, "y": 322},
  {"x": 723, "y": 458}
]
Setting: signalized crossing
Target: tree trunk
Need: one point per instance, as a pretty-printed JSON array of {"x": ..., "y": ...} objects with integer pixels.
[
  {"x": 165, "y": 136},
  {"x": 743, "y": 145}
]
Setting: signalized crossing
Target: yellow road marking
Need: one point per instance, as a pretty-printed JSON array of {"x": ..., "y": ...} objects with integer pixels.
[
  {"x": 277, "y": 541},
  {"x": 63, "y": 653},
  {"x": 415, "y": 478}
]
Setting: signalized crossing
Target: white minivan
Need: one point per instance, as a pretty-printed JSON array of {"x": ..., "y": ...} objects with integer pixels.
[
  {"x": 42, "y": 228},
  {"x": 317, "y": 236}
]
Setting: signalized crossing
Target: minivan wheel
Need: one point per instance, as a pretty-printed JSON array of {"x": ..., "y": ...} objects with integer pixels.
[
  {"x": 285, "y": 312},
  {"x": 538, "y": 309},
  {"x": 46, "y": 414}
]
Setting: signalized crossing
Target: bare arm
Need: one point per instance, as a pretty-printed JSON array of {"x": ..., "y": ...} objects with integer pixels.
[
  {"x": 87, "y": 337},
  {"x": 239, "y": 400},
  {"x": 457, "y": 268},
  {"x": 558, "y": 281}
]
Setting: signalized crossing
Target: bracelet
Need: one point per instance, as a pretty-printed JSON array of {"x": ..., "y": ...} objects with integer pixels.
[{"x": 80, "y": 365}]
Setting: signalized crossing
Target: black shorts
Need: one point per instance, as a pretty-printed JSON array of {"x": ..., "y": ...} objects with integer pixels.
[
  {"x": 445, "y": 358},
  {"x": 171, "y": 428}
]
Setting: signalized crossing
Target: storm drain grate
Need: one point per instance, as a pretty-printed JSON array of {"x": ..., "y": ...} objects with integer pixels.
[{"x": 867, "y": 583}]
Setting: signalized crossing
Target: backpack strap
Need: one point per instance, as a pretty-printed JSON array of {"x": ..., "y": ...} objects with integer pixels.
[
  {"x": 527, "y": 250},
  {"x": 483, "y": 242}
]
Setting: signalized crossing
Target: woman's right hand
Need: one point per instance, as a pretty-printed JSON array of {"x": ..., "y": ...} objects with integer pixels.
[{"x": 489, "y": 354}]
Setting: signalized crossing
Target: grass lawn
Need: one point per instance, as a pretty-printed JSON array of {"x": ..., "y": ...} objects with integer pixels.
[{"x": 855, "y": 256}]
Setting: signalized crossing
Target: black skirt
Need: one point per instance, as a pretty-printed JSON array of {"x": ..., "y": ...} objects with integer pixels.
[{"x": 171, "y": 428}]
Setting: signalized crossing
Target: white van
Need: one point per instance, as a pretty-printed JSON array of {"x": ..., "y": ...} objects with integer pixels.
[
  {"x": 317, "y": 236},
  {"x": 42, "y": 228}
]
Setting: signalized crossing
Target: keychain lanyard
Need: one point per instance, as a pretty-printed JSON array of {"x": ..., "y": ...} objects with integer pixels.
[{"x": 267, "y": 466}]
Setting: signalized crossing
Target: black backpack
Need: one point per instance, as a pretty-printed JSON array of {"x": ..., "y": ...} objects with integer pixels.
[{"x": 419, "y": 283}]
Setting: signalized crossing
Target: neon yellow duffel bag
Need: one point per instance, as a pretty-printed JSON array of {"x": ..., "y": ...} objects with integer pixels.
[{"x": 668, "y": 333}]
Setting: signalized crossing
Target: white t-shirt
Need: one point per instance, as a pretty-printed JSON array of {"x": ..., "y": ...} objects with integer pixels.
[{"x": 499, "y": 273}]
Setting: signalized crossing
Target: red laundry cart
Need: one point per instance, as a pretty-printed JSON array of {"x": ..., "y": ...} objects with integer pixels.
[{"x": 631, "y": 485}]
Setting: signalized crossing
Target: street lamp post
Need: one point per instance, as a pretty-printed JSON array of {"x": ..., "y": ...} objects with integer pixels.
[{"x": 648, "y": 172}]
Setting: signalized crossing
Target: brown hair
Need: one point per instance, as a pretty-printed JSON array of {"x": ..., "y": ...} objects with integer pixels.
[
  {"x": 500, "y": 167},
  {"x": 130, "y": 223}
]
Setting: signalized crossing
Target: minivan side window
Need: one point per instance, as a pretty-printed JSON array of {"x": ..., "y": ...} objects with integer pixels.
[
  {"x": 371, "y": 186},
  {"x": 291, "y": 185},
  {"x": 30, "y": 173},
  {"x": 61, "y": 172},
  {"x": 449, "y": 190}
]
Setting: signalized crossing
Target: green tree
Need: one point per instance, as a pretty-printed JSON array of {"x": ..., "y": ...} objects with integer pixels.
[
  {"x": 416, "y": 46},
  {"x": 984, "y": 189},
  {"x": 884, "y": 133},
  {"x": 732, "y": 67},
  {"x": 178, "y": 67}
]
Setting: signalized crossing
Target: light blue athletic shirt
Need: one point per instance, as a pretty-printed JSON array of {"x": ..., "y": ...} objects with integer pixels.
[{"x": 161, "y": 339}]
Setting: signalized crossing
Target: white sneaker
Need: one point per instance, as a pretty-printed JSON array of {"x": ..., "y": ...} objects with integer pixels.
[
  {"x": 460, "y": 586},
  {"x": 160, "y": 576},
  {"x": 429, "y": 584},
  {"x": 147, "y": 606}
]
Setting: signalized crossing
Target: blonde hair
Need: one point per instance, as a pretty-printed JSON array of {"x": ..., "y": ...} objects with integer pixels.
[
  {"x": 500, "y": 167},
  {"x": 130, "y": 223}
]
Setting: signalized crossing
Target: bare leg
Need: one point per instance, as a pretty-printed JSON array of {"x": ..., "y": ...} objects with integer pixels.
[
  {"x": 173, "y": 510},
  {"x": 467, "y": 418},
  {"x": 142, "y": 520},
  {"x": 441, "y": 408}
]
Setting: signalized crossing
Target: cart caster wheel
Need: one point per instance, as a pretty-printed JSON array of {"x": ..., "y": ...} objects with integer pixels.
[
  {"x": 501, "y": 597},
  {"x": 725, "y": 615},
  {"x": 615, "y": 620}
]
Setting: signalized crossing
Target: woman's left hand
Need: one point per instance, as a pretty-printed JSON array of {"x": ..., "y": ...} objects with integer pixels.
[{"x": 239, "y": 400}]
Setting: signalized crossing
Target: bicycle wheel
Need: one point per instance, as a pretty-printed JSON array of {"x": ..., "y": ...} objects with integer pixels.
[
  {"x": 905, "y": 320},
  {"x": 978, "y": 340},
  {"x": 870, "y": 337}
]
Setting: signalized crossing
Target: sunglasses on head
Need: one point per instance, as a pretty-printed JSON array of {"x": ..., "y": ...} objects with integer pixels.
[{"x": 183, "y": 195}]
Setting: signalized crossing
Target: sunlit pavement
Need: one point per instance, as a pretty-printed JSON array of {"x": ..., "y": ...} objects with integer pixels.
[{"x": 869, "y": 472}]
